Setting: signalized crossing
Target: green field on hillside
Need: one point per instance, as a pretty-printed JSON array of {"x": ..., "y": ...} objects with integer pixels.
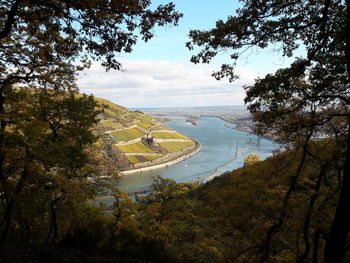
[
  {"x": 127, "y": 135},
  {"x": 138, "y": 147},
  {"x": 114, "y": 117},
  {"x": 134, "y": 159},
  {"x": 111, "y": 124},
  {"x": 145, "y": 119},
  {"x": 112, "y": 110},
  {"x": 168, "y": 135},
  {"x": 145, "y": 126},
  {"x": 176, "y": 146},
  {"x": 160, "y": 127}
]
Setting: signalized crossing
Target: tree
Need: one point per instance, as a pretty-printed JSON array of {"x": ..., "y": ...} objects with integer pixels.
[
  {"x": 44, "y": 44},
  {"x": 45, "y": 128},
  {"x": 42, "y": 41},
  {"x": 45, "y": 166},
  {"x": 251, "y": 158},
  {"x": 156, "y": 211},
  {"x": 309, "y": 99}
]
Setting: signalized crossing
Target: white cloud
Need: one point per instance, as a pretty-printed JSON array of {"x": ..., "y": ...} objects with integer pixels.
[{"x": 163, "y": 84}]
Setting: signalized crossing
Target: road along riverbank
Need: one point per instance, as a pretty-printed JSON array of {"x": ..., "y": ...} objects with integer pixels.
[
  {"x": 216, "y": 172},
  {"x": 196, "y": 149}
]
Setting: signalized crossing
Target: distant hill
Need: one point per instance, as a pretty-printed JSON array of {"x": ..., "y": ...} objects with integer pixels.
[
  {"x": 238, "y": 115},
  {"x": 133, "y": 140},
  {"x": 234, "y": 111}
]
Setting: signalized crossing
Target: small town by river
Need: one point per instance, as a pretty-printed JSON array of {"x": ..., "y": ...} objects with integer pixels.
[{"x": 223, "y": 149}]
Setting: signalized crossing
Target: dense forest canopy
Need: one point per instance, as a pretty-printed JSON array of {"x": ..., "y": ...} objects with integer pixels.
[{"x": 307, "y": 100}]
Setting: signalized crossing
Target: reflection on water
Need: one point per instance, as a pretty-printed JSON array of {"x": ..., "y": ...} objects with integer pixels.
[{"x": 220, "y": 145}]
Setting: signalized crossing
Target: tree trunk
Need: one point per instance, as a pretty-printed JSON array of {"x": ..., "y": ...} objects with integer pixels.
[
  {"x": 266, "y": 245},
  {"x": 335, "y": 247},
  {"x": 2, "y": 132},
  {"x": 316, "y": 243},
  {"x": 9, "y": 208},
  {"x": 7, "y": 222},
  {"x": 11, "y": 18},
  {"x": 308, "y": 217},
  {"x": 53, "y": 231}
]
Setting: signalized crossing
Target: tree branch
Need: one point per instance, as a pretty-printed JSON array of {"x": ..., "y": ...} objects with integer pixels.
[
  {"x": 10, "y": 21},
  {"x": 308, "y": 216},
  {"x": 280, "y": 222}
]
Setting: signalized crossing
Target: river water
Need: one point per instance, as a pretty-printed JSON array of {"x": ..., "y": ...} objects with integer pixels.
[{"x": 224, "y": 149}]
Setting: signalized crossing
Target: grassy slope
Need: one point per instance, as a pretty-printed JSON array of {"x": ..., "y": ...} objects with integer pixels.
[
  {"x": 116, "y": 117},
  {"x": 127, "y": 135},
  {"x": 176, "y": 146},
  {"x": 168, "y": 135},
  {"x": 160, "y": 127},
  {"x": 138, "y": 147}
]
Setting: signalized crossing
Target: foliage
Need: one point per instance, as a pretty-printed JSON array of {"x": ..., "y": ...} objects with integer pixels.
[
  {"x": 159, "y": 216},
  {"x": 279, "y": 210},
  {"x": 223, "y": 220},
  {"x": 45, "y": 164},
  {"x": 41, "y": 40},
  {"x": 251, "y": 158},
  {"x": 45, "y": 135},
  {"x": 308, "y": 100}
]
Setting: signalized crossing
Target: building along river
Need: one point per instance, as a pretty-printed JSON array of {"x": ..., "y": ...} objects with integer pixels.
[{"x": 224, "y": 149}]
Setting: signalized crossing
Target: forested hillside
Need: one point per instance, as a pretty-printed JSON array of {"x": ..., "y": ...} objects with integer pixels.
[
  {"x": 227, "y": 218},
  {"x": 231, "y": 216}
]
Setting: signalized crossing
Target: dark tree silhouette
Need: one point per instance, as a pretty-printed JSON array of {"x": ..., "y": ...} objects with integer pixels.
[{"x": 302, "y": 102}]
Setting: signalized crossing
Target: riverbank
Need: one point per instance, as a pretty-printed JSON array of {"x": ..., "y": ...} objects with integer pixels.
[
  {"x": 196, "y": 149},
  {"x": 219, "y": 145},
  {"x": 217, "y": 170},
  {"x": 244, "y": 128}
]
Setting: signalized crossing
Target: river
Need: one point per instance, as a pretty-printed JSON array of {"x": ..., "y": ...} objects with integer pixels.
[{"x": 224, "y": 149}]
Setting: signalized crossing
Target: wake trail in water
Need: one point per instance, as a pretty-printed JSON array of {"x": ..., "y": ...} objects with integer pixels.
[{"x": 216, "y": 170}]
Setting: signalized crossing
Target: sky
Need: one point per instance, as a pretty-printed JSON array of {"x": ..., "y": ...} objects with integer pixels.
[{"x": 159, "y": 73}]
